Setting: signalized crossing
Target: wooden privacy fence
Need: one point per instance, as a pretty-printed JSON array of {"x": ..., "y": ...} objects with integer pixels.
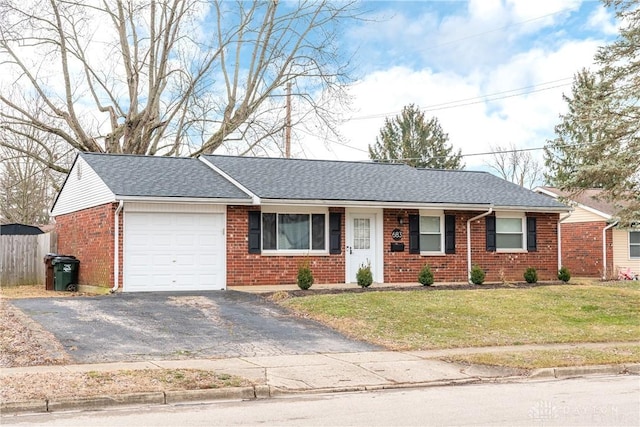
[{"x": 22, "y": 258}]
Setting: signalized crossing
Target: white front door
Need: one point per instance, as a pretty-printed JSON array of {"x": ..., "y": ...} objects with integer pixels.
[{"x": 361, "y": 244}]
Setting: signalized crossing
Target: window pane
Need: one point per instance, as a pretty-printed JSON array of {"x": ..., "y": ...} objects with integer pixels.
[
  {"x": 634, "y": 251},
  {"x": 429, "y": 224},
  {"x": 634, "y": 237},
  {"x": 317, "y": 232},
  {"x": 430, "y": 242},
  {"x": 268, "y": 231},
  {"x": 293, "y": 231},
  {"x": 509, "y": 241},
  {"x": 361, "y": 233},
  {"x": 508, "y": 225}
]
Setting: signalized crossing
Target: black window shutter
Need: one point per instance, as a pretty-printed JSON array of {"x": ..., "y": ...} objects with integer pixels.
[
  {"x": 335, "y": 239},
  {"x": 532, "y": 235},
  {"x": 414, "y": 234},
  {"x": 491, "y": 233},
  {"x": 449, "y": 234},
  {"x": 254, "y": 232}
]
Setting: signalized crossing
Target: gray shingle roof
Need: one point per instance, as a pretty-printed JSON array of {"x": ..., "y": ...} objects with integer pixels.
[
  {"x": 270, "y": 178},
  {"x": 154, "y": 176}
]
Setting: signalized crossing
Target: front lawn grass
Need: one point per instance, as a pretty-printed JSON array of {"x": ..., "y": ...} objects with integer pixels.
[{"x": 419, "y": 320}]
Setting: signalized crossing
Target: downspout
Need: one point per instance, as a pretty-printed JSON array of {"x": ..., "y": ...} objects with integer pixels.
[
  {"x": 560, "y": 239},
  {"x": 116, "y": 248},
  {"x": 604, "y": 249},
  {"x": 469, "y": 240}
]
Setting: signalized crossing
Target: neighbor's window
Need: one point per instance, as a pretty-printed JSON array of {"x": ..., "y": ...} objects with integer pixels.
[
  {"x": 430, "y": 234},
  {"x": 509, "y": 233},
  {"x": 634, "y": 244},
  {"x": 289, "y": 232}
]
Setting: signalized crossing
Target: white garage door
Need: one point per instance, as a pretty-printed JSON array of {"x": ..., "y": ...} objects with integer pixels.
[{"x": 173, "y": 251}]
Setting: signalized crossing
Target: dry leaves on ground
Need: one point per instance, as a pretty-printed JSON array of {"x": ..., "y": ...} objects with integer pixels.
[
  {"x": 20, "y": 387},
  {"x": 23, "y": 342}
]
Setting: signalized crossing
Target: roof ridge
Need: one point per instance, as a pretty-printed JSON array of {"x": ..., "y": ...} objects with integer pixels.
[
  {"x": 93, "y": 153},
  {"x": 360, "y": 162}
]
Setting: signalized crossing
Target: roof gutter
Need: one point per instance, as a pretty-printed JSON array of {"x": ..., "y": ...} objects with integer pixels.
[
  {"x": 604, "y": 249},
  {"x": 469, "y": 239},
  {"x": 116, "y": 247}
]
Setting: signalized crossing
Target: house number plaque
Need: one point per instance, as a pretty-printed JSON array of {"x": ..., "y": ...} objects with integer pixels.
[{"x": 396, "y": 234}]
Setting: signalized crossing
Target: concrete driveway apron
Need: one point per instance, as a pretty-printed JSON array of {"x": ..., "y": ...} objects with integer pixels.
[{"x": 144, "y": 326}]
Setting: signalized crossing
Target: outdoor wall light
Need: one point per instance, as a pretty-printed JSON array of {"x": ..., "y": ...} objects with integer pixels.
[{"x": 400, "y": 219}]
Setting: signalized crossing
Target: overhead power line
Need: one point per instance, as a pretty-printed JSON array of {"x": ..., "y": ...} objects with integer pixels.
[{"x": 525, "y": 90}]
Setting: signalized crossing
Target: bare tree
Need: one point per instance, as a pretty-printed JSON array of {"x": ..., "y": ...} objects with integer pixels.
[
  {"x": 515, "y": 165},
  {"x": 27, "y": 184},
  {"x": 167, "y": 77},
  {"x": 27, "y": 187}
]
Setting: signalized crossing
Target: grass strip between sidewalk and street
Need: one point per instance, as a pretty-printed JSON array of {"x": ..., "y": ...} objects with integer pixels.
[
  {"x": 418, "y": 320},
  {"x": 536, "y": 359},
  {"x": 22, "y": 387}
]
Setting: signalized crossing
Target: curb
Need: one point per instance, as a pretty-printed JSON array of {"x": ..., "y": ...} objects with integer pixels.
[
  {"x": 576, "y": 371},
  {"x": 148, "y": 398},
  {"x": 266, "y": 391}
]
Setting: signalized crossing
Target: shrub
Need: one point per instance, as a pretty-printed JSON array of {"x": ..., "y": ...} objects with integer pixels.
[
  {"x": 426, "y": 276},
  {"x": 305, "y": 277},
  {"x": 477, "y": 275},
  {"x": 530, "y": 275},
  {"x": 364, "y": 277},
  {"x": 564, "y": 274}
]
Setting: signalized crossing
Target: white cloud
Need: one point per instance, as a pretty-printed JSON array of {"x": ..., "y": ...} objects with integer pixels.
[
  {"x": 525, "y": 120},
  {"x": 483, "y": 47},
  {"x": 602, "y": 20}
]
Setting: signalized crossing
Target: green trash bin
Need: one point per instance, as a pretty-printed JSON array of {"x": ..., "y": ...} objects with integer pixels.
[{"x": 65, "y": 273}]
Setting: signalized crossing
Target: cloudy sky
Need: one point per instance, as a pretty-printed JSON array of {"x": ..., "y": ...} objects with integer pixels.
[{"x": 492, "y": 71}]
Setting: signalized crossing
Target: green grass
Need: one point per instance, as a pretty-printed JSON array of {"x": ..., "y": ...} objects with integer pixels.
[
  {"x": 420, "y": 320},
  {"x": 535, "y": 359}
]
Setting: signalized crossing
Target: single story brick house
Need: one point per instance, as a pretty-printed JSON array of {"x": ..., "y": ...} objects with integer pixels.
[
  {"x": 143, "y": 223},
  {"x": 592, "y": 245}
]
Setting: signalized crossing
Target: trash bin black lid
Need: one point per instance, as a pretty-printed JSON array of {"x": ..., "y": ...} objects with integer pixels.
[{"x": 64, "y": 258}]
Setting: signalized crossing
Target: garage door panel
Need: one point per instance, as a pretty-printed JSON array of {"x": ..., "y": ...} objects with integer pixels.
[{"x": 173, "y": 251}]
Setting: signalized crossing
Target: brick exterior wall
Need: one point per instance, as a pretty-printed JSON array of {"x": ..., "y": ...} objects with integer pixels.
[
  {"x": 399, "y": 267},
  {"x": 582, "y": 248},
  {"x": 244, "y": 268},
  {"x": 405, "y": 267},
  {"x": 88, "y": 235}
]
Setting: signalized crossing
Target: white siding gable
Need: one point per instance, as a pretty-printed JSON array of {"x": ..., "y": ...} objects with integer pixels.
[
  {"x": 83, "y": 189},
  {"x": 580, "y": 214}
]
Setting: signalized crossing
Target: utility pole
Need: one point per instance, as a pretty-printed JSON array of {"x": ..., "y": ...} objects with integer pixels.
[{"x": 287, "y": 125}]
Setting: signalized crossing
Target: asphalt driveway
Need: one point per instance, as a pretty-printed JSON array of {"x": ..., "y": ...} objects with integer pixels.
[{"x": 144, "y": 326}]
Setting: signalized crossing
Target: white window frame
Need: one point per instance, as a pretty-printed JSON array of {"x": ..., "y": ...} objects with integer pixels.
[
  {"x": 287, "y": 210},
  {"x": 634, "y": 244},
  {"x": 439, "y": 214},
  {"x": 523, "y": 221}
]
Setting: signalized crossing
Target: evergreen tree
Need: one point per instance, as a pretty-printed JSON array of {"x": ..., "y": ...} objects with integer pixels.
[
  {"x": 598, "y": 140},
  {"x": 413, "y": 140}
]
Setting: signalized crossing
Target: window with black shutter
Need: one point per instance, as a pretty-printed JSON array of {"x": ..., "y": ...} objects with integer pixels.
[
  {"x": 449, "y": 234},
  {"x": 335, "y": 233},
  {"x": 414, "y": 234},
  {"x": 491, "y": 233},
  {"x": 532, "y": 237},
  {"x": 254, "y": 232}
]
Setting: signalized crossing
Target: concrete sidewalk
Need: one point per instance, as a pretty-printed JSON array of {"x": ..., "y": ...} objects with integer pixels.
[{"x": 313, "y": 373}]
